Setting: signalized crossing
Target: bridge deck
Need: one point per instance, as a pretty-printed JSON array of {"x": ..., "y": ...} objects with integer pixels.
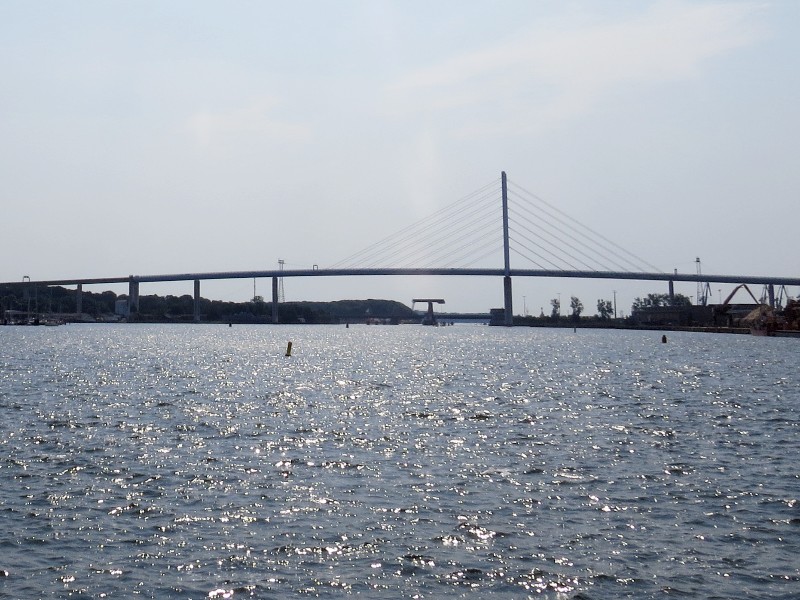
[{"x": 619, "y": 275}]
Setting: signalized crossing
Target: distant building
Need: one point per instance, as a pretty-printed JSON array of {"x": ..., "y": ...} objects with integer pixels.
[
  {"x": 713, "y": 315},
  {"x": 497, "y": 316},
  {"x": 121, "y": 306}
]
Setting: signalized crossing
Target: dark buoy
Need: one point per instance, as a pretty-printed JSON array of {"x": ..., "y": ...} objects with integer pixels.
[
  {"x": 230, "y": 324},
  {"x": 289, "y": 349},
  {"x": 663, "y": 339}
]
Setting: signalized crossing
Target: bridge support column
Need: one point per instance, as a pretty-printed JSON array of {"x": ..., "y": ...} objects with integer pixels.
[
  {"x": 771, "y": 292},
  {"x": 79, "y": 299},
  {"x": 275, "y": 300},
  {"x": 133, "y": 296},
  {"x": 196, "y": 300},
  {"x": 671, "y": 290},
  {"x": 509, "y": 311}
]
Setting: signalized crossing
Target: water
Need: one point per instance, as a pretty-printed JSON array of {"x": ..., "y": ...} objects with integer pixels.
[{"x": 200, "y": 462}]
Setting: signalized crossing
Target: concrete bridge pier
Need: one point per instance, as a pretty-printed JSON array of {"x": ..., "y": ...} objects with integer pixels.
[
  {"x": 671, "y": 290},
  {"x": 771, "y": 292},
  {"x": 430, "y": 318},
  {"x": 79, "y": 299},
  {"x": 133, "y": 296},
  {"x": 196, "y": 300},
  {"x": 509, "y": 312},
  {"x": 275, "y": 300}
]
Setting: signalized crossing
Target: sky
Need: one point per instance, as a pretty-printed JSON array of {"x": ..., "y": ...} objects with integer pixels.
[{"x": 147, "y": 137}]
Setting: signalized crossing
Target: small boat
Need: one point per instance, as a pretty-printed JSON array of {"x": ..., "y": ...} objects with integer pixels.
[{"x": 761, "y": 330}]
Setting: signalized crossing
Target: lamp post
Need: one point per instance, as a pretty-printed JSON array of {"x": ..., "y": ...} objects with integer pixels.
[
  {"x": 28, "y": 295},
  {"x": 615, "y": 303}
]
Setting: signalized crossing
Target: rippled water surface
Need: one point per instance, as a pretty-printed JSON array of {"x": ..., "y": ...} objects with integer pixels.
[{"x": 407, "y": 462}]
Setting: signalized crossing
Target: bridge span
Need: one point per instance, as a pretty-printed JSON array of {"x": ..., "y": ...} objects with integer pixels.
[
  {"x": 134, "y": 281},
  {"x": 470, "y": 272}
]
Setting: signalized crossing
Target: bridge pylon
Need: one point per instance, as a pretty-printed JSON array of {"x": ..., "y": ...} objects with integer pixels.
[{"x": 508, "y": 312}]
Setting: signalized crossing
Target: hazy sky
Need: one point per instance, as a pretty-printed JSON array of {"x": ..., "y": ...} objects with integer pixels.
[{"x": 189, "y": 136}]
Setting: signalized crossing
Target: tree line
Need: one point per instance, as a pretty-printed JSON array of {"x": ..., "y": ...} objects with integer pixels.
[
  {"x": 58, "y": 300},
  {"x": 606, "y": 309},
  {"x": 100, "y": 306}
]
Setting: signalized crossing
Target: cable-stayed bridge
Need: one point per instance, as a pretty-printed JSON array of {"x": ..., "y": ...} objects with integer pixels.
[{"x": 475, "y": 236}]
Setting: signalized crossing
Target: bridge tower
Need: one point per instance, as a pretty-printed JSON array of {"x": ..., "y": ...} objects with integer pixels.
[{"x": 508, "y": 317}]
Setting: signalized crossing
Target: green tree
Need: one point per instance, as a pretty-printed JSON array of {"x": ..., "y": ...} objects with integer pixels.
[
  {"x": 556, "y": 304},
  {"x": 605, "y": 309},
  {"x": 577, "y": 308},
  {"x": 656, "y": 300}
]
